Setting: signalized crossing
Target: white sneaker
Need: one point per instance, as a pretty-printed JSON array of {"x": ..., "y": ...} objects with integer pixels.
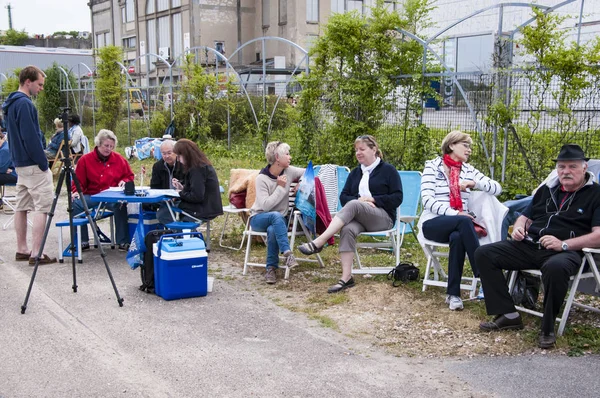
[
  {"x": 290, "y": 260},
  {"x": 454, "y": 303}
]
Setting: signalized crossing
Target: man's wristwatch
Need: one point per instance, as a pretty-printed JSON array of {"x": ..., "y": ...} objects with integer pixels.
[{"x": 564, "y": 246}]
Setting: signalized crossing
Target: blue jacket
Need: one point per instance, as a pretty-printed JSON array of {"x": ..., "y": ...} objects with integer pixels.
[
  {"x": 384, "y": 184},
  {"x": 24, "y": 131},
  {"x": 5, "y": 162}
]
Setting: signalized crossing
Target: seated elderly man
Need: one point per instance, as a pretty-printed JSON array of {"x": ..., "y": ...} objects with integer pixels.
[
  {"x": 563, "y": 218},
  {"x": 167, "y": 168}
]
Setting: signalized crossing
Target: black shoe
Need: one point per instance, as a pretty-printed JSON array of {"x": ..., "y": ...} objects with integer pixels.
[
  {"x": 502, "y": 323},
  {"x": 309, "y": 248},
  {"x": 547, "y": 340},
  {"x": 85, "y": 246},
  {"x": 123, "y": 247},
  {"x": 341, "y": 285}
]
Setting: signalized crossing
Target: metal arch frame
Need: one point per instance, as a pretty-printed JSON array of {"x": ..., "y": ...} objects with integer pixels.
[
  {"x": 166, "y": 62},
  {"x": 91, "y": 73},
  {"x": 263, "y": 41},
  {"x": 228, "y": 66}
]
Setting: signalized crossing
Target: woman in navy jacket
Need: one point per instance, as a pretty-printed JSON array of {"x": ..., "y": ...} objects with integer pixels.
[{"x": 370, "y": 198}]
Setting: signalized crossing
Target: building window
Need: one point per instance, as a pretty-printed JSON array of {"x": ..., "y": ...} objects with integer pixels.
[
  {"x": 474, "y": 53},
  {"x": 355, "y": 5},
  {"x": 337, "y": 6},
  {"x": 391, "y": 5},
  {"x": 151, "y": 29},
  {"x": 177, "y": 36},
  {"x": 310, "y": 42},
  {"x": 162, "y": 5},
  {"x": 102, "y": 39},
  {"x": 282, "y": 12},
  {"x": 150, "y": 6},
  {"x": 130, "y": 10},
  {"x": 312, "y": 10},
  {"x": 176, "y": 3},
  {"x": 266, "y": 5},
  {"x": 129, "y": 42}
]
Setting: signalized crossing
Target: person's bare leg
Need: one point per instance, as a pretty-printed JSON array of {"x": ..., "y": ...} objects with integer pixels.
[
  {"x": 347, "y": 258},
  {"x": 335, "y": 225},
  {"x": 39, "y": 225},
  {"x": 21, "y": 230}
]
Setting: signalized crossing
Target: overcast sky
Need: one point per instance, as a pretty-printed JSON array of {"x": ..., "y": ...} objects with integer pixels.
[{"x": 46, "y": 16}]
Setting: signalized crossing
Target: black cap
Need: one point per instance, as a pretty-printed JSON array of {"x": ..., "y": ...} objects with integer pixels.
[{"x": 571, "y": 152}]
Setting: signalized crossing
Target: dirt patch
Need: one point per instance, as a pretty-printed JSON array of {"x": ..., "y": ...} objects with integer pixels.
[{"x": 404, "y": 321}]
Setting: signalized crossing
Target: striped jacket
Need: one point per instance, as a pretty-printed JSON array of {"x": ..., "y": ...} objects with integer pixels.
[{"x": 435, "y": 191}]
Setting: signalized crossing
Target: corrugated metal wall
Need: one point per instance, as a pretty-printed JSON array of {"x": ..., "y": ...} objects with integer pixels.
[{"x": 12, "y": 57}]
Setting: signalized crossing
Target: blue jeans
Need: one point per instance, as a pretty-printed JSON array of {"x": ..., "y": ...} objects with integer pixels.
[
  {"x": 120, "y": 210},
  {"x": 460, "y": 233},
  {"x": 515, "y": 208},
  {"x": 275, "y": 225}
]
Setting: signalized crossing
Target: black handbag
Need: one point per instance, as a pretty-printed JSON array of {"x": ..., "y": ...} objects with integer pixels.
[{"x": 403, "y": 272}]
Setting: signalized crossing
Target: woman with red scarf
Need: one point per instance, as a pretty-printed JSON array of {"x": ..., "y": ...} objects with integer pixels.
[{"x": 445, "y": 189}]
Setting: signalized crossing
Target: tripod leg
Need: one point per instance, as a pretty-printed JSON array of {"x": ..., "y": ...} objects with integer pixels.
[
  {"x": 95, "y": 232},
  {"x": 45, "y": 236}
]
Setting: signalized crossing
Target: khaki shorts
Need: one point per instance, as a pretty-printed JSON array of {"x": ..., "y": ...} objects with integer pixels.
[{"x": 35, "y": 189}]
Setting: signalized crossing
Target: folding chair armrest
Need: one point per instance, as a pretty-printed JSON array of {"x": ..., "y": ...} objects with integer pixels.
[
  {"x": 591, "y": 250},
  {"x": 407, "y": 219}
]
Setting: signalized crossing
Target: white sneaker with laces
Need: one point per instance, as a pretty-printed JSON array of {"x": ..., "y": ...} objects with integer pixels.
[
  {"x": 454, "y": 303},
  {"x": 290, "y": 260}
]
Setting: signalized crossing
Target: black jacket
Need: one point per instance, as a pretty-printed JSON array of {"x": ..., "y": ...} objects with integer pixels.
[
  {"x": 385, "y": 186},
  {"x": 200, "y": 195},
  {"x": 161, "y": 176}
]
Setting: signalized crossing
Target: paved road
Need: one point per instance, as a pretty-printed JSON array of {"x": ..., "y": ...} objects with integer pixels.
[{"x": 232, "y": 343}]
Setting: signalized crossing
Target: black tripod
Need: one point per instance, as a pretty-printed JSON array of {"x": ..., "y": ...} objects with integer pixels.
[{"x": 67, "y": 172}]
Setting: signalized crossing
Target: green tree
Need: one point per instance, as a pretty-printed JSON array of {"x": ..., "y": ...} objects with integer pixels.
[
  {"x": 52, "y": 99},
  {"x": 109, "y": 86},
  {"x": 355, "y": 64},
  {"x": 14, "y": 38},
  {"x": 197, "y": 93}
]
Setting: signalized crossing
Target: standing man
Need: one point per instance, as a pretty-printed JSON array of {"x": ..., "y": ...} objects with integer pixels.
[
  {"x": 35, "y": 189},
  {"x": 562, "y": 219}
]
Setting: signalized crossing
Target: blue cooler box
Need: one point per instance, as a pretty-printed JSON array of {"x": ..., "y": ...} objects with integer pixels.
[
  {"x": 180, "y": 268},
  {"x": 150, "y": 222}
]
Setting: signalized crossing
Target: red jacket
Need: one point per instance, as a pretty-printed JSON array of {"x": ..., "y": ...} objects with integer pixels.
[{"x": 95, "y": 176}]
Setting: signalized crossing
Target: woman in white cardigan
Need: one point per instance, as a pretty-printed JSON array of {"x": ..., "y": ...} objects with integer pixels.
[{"x": 445, "y": 189}]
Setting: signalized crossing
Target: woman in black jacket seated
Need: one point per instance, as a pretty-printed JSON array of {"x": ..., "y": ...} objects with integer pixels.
[
  {"x": 199, "y": 193},
  {"x": 370, "y": 197}
]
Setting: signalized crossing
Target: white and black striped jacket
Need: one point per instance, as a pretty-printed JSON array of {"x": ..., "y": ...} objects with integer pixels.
[{"x": 435, "y": 191}]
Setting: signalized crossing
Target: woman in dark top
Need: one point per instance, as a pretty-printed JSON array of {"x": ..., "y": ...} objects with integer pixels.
[
  {"x": 370, "y": 197},
  {"x": 199, "y": 193}
]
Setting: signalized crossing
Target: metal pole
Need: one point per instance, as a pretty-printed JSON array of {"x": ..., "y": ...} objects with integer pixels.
[{"x": 580, "y": 19}]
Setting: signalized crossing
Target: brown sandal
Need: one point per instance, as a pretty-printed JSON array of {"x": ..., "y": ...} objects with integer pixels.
[{"x": 22, "y": 256}]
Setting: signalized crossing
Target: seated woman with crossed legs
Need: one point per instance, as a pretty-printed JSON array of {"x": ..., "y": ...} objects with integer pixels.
[{"x": 370, "y": 197}]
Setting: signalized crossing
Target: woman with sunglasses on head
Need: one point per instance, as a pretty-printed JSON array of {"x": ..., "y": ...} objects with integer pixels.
[
  {"x": 445, "y": 190},
  {"x": 199, "y": 193},
  {"x": 271, "y": 207},
  {"x": 370, "y": 198}
]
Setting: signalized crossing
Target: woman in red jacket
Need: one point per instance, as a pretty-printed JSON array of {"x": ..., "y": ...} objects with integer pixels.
[{"x": 96, "y": 171}]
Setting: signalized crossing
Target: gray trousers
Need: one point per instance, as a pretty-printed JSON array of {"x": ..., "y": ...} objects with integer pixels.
[{"x": 360, "y": 217}]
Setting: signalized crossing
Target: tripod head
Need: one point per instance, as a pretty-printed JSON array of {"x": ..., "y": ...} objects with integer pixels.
[{"x": 66, "y": 148}]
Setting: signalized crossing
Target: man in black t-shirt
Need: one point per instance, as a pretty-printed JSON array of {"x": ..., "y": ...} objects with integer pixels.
[{"x": 562, "y": 219}]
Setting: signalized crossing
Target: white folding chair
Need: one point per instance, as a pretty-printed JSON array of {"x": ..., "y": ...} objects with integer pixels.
[
  {"x": 585, "y": 273},
  {"x": 406, "y": 214},
  {"x": 9, "y": 204},
  {"x": 229, "y": 210},
  {"x": 486, "y": 207},
  {"x": 296, "y": 220}
]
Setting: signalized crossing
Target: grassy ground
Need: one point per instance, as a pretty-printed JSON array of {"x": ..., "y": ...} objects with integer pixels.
[{"x": 405, "y": 320}]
